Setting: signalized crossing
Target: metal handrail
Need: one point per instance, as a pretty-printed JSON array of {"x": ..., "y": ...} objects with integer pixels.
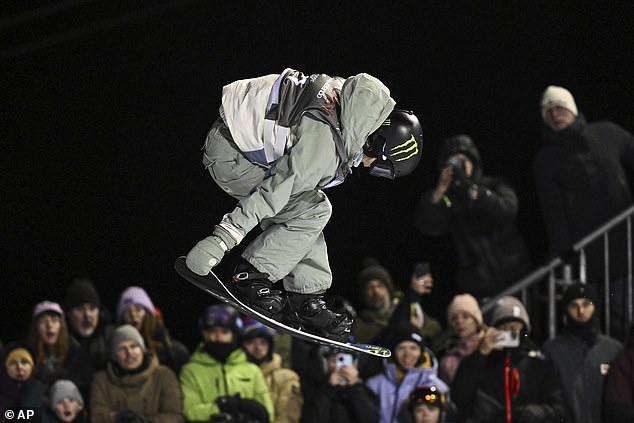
[{"x": 549, "y": 269}]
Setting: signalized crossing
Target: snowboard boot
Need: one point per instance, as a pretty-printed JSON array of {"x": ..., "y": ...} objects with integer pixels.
[
  {"x": 309, "y": 312},
  {"x": 254, "y": 289}
]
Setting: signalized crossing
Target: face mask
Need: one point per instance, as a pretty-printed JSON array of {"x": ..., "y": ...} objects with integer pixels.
[{"x": 220, "y": 351}]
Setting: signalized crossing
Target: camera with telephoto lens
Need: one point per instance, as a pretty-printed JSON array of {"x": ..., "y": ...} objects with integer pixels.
[
  {"x": 458, "y": 163},
  {"x": 460, "y": 178}
]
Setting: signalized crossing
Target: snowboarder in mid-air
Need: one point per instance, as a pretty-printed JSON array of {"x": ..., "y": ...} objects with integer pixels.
[{"x": 279, "y": 141}]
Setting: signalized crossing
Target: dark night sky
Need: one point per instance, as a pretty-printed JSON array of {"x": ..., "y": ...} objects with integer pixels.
[{"x": 105, "y": 108}]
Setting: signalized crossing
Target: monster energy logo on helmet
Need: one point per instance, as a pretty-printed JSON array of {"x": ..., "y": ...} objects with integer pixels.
[
  {"x": 396, "y": 145},
  {"x": 407, "y": 150}
]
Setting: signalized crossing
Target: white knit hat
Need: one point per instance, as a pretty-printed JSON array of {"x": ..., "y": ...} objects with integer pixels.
[
  {"x": 557, "y": 96},
  {"x": 466, "y": 303}
]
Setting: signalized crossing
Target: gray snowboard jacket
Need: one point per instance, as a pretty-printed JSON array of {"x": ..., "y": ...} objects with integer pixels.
[{"x": 302, "y": 151}]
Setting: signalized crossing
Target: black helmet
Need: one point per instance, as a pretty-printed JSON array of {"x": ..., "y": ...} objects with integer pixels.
[{"x": 397, "y": 145}]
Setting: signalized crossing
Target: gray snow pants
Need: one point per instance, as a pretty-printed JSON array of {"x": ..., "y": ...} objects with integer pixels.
[{"x": 291, "y": 247}]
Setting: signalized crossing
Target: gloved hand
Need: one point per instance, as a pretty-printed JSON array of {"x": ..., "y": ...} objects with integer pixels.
[
  {"x": 127, "y": 416},
  {"x": 222, "y": 418},
  {"x": 245, "y": 409},
  {"x": 208, "y": 252},
  {"x": 228, "y": 404},
  {"x": 530, "y": 413}
]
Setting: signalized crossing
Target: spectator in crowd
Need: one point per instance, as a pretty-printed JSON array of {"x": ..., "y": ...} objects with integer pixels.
[
  {"x": 66, "y": 404},
  {"x": 385, "y": 306},
  {"x": 134, "y": 388},
  {"x": 581, "y": 354},
  {"x": 136, "y": 308},
  {"x": 426, "y": 404},
  {"x": 618, "y": 394},
  {"x": 466, "y": 329},
  {"x": 284, "y": 386},
  {"x": 377, "y": 298},
  {"x": 409, "y": 308},
  {"x": 478, "y": 211},
  {"x": 581, "y": 178},
  {"x": 506, "y": 378},
  {"x": 412, "y": 365},
  {"x": 57, "y": 355},
  {"x": 18, "y": 385},
  {"x": 88, "y": 321},
  {"x": 218, "y": 380},
  {"x": 334, "y": 391}
]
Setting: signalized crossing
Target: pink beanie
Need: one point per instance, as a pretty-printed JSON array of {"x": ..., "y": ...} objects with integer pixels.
[
  {"x": 466, "y": 303},
  {"x": 45, "y": 306},
  {"x": 131, "y": 296}
]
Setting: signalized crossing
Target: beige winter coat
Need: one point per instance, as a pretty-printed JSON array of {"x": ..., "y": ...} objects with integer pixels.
[
  {"x": 154, "y": 393},
  {"x": 284, "y": 389}
]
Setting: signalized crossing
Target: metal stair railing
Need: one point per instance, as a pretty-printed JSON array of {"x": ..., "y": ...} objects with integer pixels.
[{"x": 557, "y": 264}]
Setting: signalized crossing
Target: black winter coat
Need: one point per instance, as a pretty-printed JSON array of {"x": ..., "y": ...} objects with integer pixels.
[
  {"x": 618, "y": 393},
  {"x": 491, "y": 252},
  {"x": 335, "y": 404},
  {"x": 342, "y": 404},
  {"x": 479, "y": 389},
  {"x": 581, "y": 182}
]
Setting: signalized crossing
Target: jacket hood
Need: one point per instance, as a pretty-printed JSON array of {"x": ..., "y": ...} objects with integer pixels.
[
  {"x": 461, "y": 144},
  {"x": 365, "y": 104}
]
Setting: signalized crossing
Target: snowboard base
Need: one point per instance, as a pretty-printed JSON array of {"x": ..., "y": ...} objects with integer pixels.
[{"x": 215, "y": 287}]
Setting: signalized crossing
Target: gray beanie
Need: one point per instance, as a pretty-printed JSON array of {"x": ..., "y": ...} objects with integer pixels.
[
  {"x": 64, "y": 389},
  {"x": 125, "y": 333},
  {"x": 510, "y": 309}
]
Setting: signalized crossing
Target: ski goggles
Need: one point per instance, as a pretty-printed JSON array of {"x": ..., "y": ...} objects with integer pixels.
[{"x": 382, "y": 168}]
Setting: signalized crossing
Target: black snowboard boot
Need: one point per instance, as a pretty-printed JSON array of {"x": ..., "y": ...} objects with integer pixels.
[
  {"x": 254, "y": 289},
  {"x": 309, "y": 312}
]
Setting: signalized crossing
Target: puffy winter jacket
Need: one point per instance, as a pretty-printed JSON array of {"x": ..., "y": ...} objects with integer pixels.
[{"x": 203, "y": 379}]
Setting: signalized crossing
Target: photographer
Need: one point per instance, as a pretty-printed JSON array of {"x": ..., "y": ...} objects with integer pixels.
[
  {"x": 507, "y": 378},
  {"x": 334, "y": 391},
  {"x": 479, "y": 213}
]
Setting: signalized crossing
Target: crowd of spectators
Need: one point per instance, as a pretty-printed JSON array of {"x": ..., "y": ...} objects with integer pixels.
[
  {"x": 79, "y": 362},
  {"x": 475, "y": 370}
]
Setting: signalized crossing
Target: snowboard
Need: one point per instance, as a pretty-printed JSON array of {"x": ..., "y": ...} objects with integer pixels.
[{"x": 215, "y": 287}]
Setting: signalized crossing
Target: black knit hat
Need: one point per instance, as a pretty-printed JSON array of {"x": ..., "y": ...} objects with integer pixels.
[
  {"x": 404, "y": 331},
  {"x": 81, "y": 291},
  {"x": 579, "y": 290}
]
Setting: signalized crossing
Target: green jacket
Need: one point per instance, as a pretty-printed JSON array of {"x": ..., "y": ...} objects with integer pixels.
[{"x": 203, "y": 380}]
